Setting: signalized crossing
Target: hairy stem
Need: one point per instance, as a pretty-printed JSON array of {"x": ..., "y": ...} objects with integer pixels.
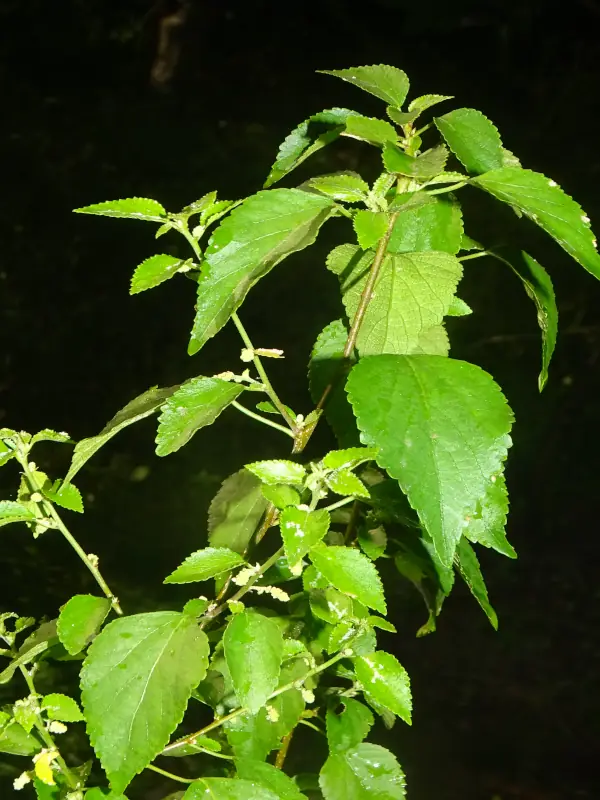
[
  {"x": 264, "y": 420},
  {"x": 283, "y": 750}
]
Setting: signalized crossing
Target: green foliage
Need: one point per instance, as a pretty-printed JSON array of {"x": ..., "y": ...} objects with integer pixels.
[{"x": 300, "y": 550}]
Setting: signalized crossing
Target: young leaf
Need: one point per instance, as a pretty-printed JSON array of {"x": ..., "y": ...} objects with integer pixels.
[
  {"x": 14, "y": 739},
  {"x": 193, "y": 406},
  {"x": 426, "y": 165},
  {"x": 487, "y": 526},
  {"x": 468, "y": 567},
  {"x": 352, "y": 573},
  {"x": 346, "y": 186},
  {"x": 79, "y": 621},
  {"x": 370, "y": 129},
  {"x": 47, "y": 435},
  {"x": 538, "y": 286},
  {"x": 129, "y": 208},
  {"x": 390, "y": 84},
  {"x": 61, "y": 707},
  {"x": 458, "y": 308},
  {"x": 330, "y": 605},
  {"x": 228, "y": 789},
  {"x": 350, "y": 727},
  {"x": 281, "y": 495},
  {"x": 372, "y": 541},
  {"x": 401, "y": 117},
  {"x": 343, "y": 481},
  {"x": 473, "y": 139},
  {"x": 272, "y": 778},
  {"x": 350, "y": 458},
  {"x": 11, "y": 511},
  {"x": 136, "y": 681},
  {"x": 137, "y": 409},
  {"x": 444, "y": 445},
  {"x": 278, "y": 471},
  {"x": 154, "y": 271},
  {"x": 369, "y": 227},
  {"x": 470, "y": 244},
  {"x": 6, "y": 453},
  {"x": 205, "y": 564},
  {"x": 545, "y": 203},
  {"x": 405, "y": 201},
  {"x": 386, "y": 680},
  {"x": 434, "y": 226},
  {"x": 235, "y": 511},
  {"x": 366, "y": 772},
  {"x": 426, "y": 101},
  {"x": 255, "y": 237},
  {"x": 253, "y": 651},
  {"x": 65, "y": 495},
  {"x": 301, "y": 529},
  {"x": 102, "y": 794}
]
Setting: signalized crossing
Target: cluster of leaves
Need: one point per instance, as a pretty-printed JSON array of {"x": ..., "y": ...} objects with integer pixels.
[{"x": 418, "y": 480}]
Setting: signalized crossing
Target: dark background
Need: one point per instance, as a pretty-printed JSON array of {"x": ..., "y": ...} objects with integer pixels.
[{"x": 511, "y": 715}]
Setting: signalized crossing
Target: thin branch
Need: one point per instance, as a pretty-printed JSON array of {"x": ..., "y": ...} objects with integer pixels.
[{"x": 264, "y": 420}]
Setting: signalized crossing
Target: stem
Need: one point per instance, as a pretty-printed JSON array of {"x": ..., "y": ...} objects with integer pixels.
[
  {"x": 352, "y": 522},
  {"x": 295, "y": 684},
  {"x": 264, "y": 420},
  {"x": 452, "y": 188},
  {"x": 283, "y": 750},
  {"x": 479, "y": 254},
  {"x": 340, "y": 503},
  {"x": 171, "y": 775}
]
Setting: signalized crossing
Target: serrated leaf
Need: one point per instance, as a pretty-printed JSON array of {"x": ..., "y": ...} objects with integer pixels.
[
  {"x": 301, "y": 529},
  {"x": 6, "y": 453},
  {"x": 447, "y": 177},
  {"x": 14, "y": 739},
  {"x": 401, "y": 117},
  {"x": 370, "y": 129},
  {"x": 412, "y": 294},
  {"x": 426, "y": 101},
  {"x": 486, "y": 526},
  {"x": 11, "y": 511},
  {"x": 154, "y": 271},
  {"x": 193, "y": 406},
  {"x": 235, "y": 511},
  {"x": 473, "y": 139},
  {"x": 136, "y": 681},
  {"x": 256, "y": 236},
  {"x": 458, "y": 308},
  {"x": 432, "y": 342},
  {"x": 272, "y": 778},
  {"x": 351, "y": 572},
  {"x": 350, "y": 727},
  {"x": 327, "y": 366},
  {"x": 79, "y": 621},
  {"x": 386, "y": 680},
  {"x": 65, "y": 495},
  {"x": 331, "y": 606},
  {"x": 253, "y": 647},
  {"x": 227, "y": 789},
  {"x": 48, "y": 435},
  {"x": 139, "y": 408},
  {"x": 278, "y": 471},
  {"x": 388, "y": 83},
  {"x": 344, "y": 482},
  {"x": 199, "y": 206},
  {"x": 434, "y": 226},
  {"x": 405, "y": 201},
  {"x": 366, "y": 772},
  {"x": 217, "y": 210},
  {"x": 196, "y": 606},
  {"x": 469, "y": 570},
  {"x": 427, "y": 165},
  {"x": 470, "y": 244},
  {"x": 60, "y": 707},
  {"x": 350, "y": 458},
  {"x": 539, "y": 288},
  {"x": 370, "y": 227},
  {"x": 104, "y": 794},
  {"x": 45, "y": 792},
  {"x": 205, "y": 564},
  {"x": 346, "y": 186},
  {"x": 129, "y": 208},
  {"x": 281, "y": 495},
  {"x": 442, "y": 428},
  {"x": 307, "y": 138},
  {"x": 545, "y": 203},
  {"x": 269, "y": 408}
]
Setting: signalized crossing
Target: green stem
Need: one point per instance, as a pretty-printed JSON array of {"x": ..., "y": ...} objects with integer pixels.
[
  {"x": 171, "y": 775},
  {"x": 479, "y": 254},
  {"x": 295, "y": 684},
  {"x": 340, "y": 503},
  {"x": 451, "y": 188},
  {"x": 265, "y": 421}
]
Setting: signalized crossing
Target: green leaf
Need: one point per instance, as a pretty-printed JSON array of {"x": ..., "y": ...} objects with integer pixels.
[
  {"x": 328, "y": 366},
  {"x": 139, "y": 408},
  {"x": 205, "y": 564},
  {"x": 366, "y": 772},
  {"x": 469, "y": 570},
  {"x": 486, "y": 526},
  {"x": 103, "y": 794},
  {"x": 343, "y": 481},
  {"x": 268, "y": 408},
  {"x": 370, "y": 129},
  {"x": 473, "y": 139},
  {"x": 388, "y": 83},
  {"x": 48, "y": 435},
  {"x": 351, "y": 572},
  {"x": 405, "y": 201},
  {"x": 373, "y": 541},
  {"x": 350, "y": 458},
  {"x": 470, "y": 244},
  {"x": 330, "y": 605},
  {"x": 349, "y": 728},
  {"x": 227, "y": 789},
  {"x": 129, "y": 208},
  {"x": 6, "y": 453},
  {"x": 14, "y": 739},
  {"x": 346, "y": 186},
  {"x": 272, "y": 778},
  {"x": 193, "y": 406},
  {"x": 458, "y": 308},
  {"x": 301, "y": 529},
  {"x": 545, "y": 203},
  {"x": 11, "y": 511},
  {"x": 79, "y": 621},
  {"x": 257, "y": 235},
  {"x": 136, "y": 682},
  {"x": 413, "y": 294},
  {"x": 432, "y": 342},
  {"x": 442, "y": 428},
  {"x": 235, "y": 511},
  {"x": 44, "y": 791},
  {"x": 426, "y": 101},
  {"x": 196, "y": 606},
  {"x": 539, "y": 288},
  {"x": 370, "y": 227},
  {"x": 401, "y": 117},
  {"x": 386, "y": 680},
  {"x": 253, "y": 651},
  {"x": 61, "y": 707},
  {"x": 65, "y": 495},
  {"x": 426, "y": 165},
  {"x": 278, "y": 471},
  {"x": 307, "y": 138},
  {"x": 434, "y": 226},
  {"x": 281, "y": 495},
  {"x": 154, "y": 271}
]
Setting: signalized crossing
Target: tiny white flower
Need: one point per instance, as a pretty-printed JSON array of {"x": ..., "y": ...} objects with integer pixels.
[
  {"x": 308, "y": 696},
  {"x": 54, "y": 726},
  {"x": 94, "y": 560},
  {"x": 247, "y": 354},
  {"x": 23, "y": 779},
  {"x": 272, "y": 714},
  {"x": 36, "y": 497}
]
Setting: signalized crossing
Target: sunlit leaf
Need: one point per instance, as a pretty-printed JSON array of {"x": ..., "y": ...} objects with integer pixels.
[
  {"x": 79, "y": 621},
  {"x": 273, "y": 779},
  {"x": 366, "y": 772},
  {"x": 129, "y": 208},
  {"x": 370, "y": 227},
  {"x": 278, "y": 471},
  {"x": 351, "y": 572},
  {"x": 60, "y": 707},
  {"x": 346, "y": 186},
  {"x": 388, "y": 83},
  {"x": 469, "y": 570},
  {"x": 386, "y": 680},
  {"x": 435, "y": 226},
  {"x": 154, "y": 271},
  {"x": 301, "y": 529},
  {"x": 350, "y": 727},
  {"x": 205, "y": 564},
  {"x": 370, "y": 129},
  {"x": 11, "y": 511},
  {"x": 473, "y": 139},
  {"x": 486, "y": 526}
]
